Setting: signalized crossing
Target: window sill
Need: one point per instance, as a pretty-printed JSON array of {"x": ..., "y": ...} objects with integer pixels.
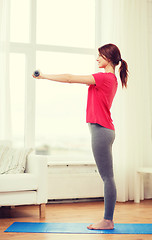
[
  {"x": 70, "y": 160},
  {"x": 66, "y": 163}
]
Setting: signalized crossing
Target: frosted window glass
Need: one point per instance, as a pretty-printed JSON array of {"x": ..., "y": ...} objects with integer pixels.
[
  {"x": 17, "y": 89},
  {"x": 20, "y": 21},
  {"x": 66, "y": 23}
]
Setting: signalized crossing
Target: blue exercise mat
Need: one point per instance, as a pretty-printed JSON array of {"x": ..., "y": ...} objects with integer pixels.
[{"x": 78, "y": 228}]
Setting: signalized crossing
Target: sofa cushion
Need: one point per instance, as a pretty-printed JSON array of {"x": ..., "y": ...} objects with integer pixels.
[
  {"x": 13, "y": 160},
  {"x": 18, "y": 182}
]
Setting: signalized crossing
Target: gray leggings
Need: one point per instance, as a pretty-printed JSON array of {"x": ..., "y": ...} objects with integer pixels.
[{"x": 102, "y": 140}]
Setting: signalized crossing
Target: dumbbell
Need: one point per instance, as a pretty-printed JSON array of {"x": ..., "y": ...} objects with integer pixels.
[{"x": 36, "y": 73}]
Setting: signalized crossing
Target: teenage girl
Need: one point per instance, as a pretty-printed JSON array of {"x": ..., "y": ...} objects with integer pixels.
[{"x": 101, "y": 92}]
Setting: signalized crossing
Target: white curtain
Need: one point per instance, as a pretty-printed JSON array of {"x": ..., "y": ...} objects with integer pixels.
[
  {"x": 5, "y": 116},
  {"x": 125, "y": 23}
]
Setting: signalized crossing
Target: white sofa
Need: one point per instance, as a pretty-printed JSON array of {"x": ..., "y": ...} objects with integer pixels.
[{"x": 26, "y": 188}]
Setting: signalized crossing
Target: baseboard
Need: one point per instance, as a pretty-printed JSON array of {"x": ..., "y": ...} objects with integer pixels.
[{"x": 75, "y": 200}]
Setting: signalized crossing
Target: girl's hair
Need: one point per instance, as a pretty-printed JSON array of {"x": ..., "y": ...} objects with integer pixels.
[{"x": 112, "y": 53}]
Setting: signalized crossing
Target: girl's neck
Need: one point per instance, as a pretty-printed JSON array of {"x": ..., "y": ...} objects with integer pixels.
[{"x": 109, "y": 69}]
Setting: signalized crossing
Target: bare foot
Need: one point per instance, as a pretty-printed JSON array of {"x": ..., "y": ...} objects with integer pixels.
[{"x": 104, "y": 224}]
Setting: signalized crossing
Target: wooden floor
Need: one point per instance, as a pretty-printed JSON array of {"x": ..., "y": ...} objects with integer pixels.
[{"x": 75, "y": 212}]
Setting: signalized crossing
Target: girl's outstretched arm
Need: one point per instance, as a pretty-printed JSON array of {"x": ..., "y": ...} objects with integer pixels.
[{"x": 68, "y": 78}]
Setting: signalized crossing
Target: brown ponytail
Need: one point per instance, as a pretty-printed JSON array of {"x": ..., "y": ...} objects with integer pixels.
[
  {"x": 112, "y": 53},
  {"x": 123, "y": 70}
]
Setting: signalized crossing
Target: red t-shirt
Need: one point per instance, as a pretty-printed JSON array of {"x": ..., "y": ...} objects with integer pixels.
[{"x": 100, "y": 98}]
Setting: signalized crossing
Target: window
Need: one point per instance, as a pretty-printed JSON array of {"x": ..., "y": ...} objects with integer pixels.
[
  {"x": 17, "y": 92},
  {"x": 66, "y": 23},
  {"x": 20, "y": 21},
  {"x": 56, "y": 37}
]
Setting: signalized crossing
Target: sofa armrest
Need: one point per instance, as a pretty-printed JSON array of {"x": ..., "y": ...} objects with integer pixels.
[{"x": 37, "y": 165}]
